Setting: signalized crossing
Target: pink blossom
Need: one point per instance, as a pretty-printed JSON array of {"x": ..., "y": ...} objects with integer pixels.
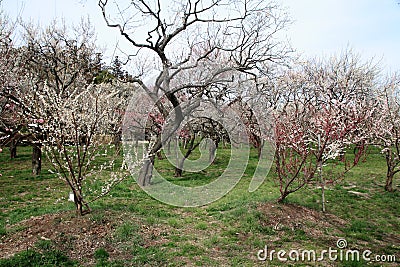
[
  {"x": 40, "y": 121},
  {"x": 1, "y": 150},
  {"x": 8, "y": 105}
]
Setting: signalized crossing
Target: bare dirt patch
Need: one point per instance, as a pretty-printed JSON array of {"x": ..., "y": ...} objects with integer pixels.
[
  {"x": 78, "y": 237},
  {"x": 315, "y": 224},
  {"x": 324, "y": 227}
]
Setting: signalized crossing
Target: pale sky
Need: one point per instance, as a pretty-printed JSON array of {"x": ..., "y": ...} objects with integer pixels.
[{"x": 320, "y": 27}]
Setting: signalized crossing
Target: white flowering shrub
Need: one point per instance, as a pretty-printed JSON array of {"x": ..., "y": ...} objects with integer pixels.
[
  {"x": 385, "y": 132},
  {"x": 75, "y": 130}
]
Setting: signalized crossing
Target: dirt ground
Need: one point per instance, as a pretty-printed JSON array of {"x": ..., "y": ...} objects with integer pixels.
[{"x": 80, "y": 237}]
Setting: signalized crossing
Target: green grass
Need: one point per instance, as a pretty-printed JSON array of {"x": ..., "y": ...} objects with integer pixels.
[
  {"x": 228, "y": 232},
  {"x": 43, "y": 255}
]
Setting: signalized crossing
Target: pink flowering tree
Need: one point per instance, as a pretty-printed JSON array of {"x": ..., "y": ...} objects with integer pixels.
[
  {"x": 325, "y": 110},
  {"x": 293, "y": 165}
]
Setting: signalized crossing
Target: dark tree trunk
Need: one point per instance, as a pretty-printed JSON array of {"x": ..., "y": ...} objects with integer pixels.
[
  {"x": 191, "y": 148},
  {"x": 13, "y": 148},
  {"x": 204, "y": 145},
  {"x": 179, "y": 168},
  {"x": 389, "y": 178},
  {"x": 169, "y": 147},
  {"x": 81, "y": 207},
  {"x": 213, "y": 148},
  {"x": 322, "y": 183},
  {"x": 117, "y": 141},
  {"x": 36, "y": 159},
  {"x": 146, "y": 172},
  {"x": 283, "y": 196},
  {"x": 258, "y": 144},
  {"x": 136, "y": 143},
  {"x": 389, "y": 183},
  {"x": 259, "y": 150},
  {"x": 391, "y": 165},
  {"x": 82, "y": 140}
]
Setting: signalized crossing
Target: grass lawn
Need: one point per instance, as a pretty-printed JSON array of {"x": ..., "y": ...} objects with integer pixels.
[{"x": 38, "y": 226}]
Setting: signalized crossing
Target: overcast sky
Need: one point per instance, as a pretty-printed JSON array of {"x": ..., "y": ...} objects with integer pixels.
[{"x": 320, "y": 27}]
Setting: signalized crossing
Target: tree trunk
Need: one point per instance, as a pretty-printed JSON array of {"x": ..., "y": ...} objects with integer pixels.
[
  {"x": 146, "y": 172},
  {"x": 283, "y": 196},
  {"x": 180, "y": 163},
  {"x": 322, "y": 181},
  {"x": 185, "y": 142},
  {"x": 80, "y": 204},
  {"x": 82, "y": 140},
  {"x": 213, "y": 148},
  {"x": 390, "y": 171},
  {"x": 79, "y": 207},
  {"x": 13, "y": 148},
  {"x": 389, "y": 183},
  {"x": 204, "y": 145},
  {"x": 389, "y": 178},
  {"x": 179, "y": 168},
  {"x": 259, "y": 150},
  {"x": 258, "y": 144},
  {"x": 36, "y": 159},
  {"x": 169, "y": 147},
  {"x": 117, "y": 141}
]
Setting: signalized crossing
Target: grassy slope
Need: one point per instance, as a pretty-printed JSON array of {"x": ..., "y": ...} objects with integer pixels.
[{"x": 228, "y": 232}]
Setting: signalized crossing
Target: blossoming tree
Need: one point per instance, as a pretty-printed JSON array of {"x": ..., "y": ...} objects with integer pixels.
[
  {"x": 67, "y": 113},
  {"x": 386, "y": 131},
  {"x": 326, "y": 108},
  {"x": 196, "y": 47}
]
